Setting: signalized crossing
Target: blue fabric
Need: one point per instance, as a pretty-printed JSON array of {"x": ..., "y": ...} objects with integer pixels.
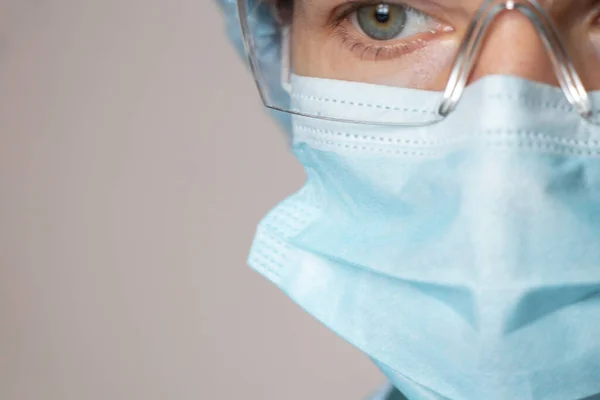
[
  {"x": 387, "y": 392},
  {"x": 463, "y": 256}
]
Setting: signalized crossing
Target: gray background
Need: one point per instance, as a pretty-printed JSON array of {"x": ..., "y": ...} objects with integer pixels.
[{"x": 135, "y": 162}]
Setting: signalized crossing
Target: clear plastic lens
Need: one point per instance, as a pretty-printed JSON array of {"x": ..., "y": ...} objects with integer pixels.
[{"x": 425, "y": 45}]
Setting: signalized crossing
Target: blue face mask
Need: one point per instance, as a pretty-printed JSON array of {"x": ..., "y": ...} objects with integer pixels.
[{"x": 462, "y": 257}]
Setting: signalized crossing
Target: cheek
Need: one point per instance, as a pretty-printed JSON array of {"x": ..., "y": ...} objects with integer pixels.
[
  {"x": 596, "y": 43},
  {"x": 593, "y": 72},
  {"x": 596, "y": 34},
  {"x": 431, "y": 69}
]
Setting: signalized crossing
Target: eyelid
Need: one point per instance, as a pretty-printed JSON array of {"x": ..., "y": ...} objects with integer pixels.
[
  {"x": 342, "y": 12},
  {"x": 374, "y": 51},
  {"x": 410, "y": 14},
  {"x": 427, "y": 7}
]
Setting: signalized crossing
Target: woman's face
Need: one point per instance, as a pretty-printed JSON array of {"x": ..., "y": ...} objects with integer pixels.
[{"x": 414, "y": 43}]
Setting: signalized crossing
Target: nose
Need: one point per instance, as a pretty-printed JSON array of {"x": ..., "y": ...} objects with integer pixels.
[{"x": 512, "y": 46}]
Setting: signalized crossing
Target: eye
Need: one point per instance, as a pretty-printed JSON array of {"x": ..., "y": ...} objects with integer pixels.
[
  {"x": 391, "y": 21},
  {"x": 382, "y": 21}
]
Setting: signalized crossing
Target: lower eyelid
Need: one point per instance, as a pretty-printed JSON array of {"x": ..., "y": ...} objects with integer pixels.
[{"x": 371, "y": 50}]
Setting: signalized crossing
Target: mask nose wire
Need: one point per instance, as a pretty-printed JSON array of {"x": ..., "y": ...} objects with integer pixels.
[{"x": 470, "y": 49}]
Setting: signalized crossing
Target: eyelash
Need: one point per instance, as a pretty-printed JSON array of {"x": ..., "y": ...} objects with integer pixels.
[
  {"x": 374, "y": 52},
  {"x": 364, "y": 50}
]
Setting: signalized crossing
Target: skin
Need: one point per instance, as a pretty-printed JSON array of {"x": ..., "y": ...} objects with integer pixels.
[{"x": 424, "y": 60}]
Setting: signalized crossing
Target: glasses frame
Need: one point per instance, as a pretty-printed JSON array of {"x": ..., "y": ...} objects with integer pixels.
[{"x": 469, "y": 51}]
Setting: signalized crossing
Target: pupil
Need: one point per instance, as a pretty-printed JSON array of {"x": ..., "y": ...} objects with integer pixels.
[{"x": 382, "y": 14}]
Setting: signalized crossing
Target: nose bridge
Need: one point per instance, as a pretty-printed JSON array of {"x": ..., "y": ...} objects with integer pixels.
[{"x": 513, "y": 46}]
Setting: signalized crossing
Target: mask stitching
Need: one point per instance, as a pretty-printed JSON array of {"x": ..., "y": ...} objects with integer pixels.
[
  {"x": 546, "y": 148},
  {"x": 490, "y": 132},
  {"x": 499, "y": 96},
  {"x": 269, "y": 224},
  {"x": 293, "y": 216},
  {"x": 375, "y": 149},
  {"x": 360, "y": 104},
  {"x": 270, "y": 266},
  {"x": 279, "y": 248},
  {"x": 372, "y": 138},
  {"x": 540, "y": 104},
  {"x": 291, "y": 227},
  {"x": 542, "y": 136}
]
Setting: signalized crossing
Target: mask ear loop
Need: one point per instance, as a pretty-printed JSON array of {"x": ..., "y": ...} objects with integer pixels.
[{"x": 286, "y": 55}]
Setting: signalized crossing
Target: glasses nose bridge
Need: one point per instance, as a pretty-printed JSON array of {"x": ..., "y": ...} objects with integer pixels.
[
  {"x": 479, "y": 56},
  {"x": 513, "y": 45}
]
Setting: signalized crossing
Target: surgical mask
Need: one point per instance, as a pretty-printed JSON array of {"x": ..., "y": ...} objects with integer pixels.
[{"x": 462, "y": 257}]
